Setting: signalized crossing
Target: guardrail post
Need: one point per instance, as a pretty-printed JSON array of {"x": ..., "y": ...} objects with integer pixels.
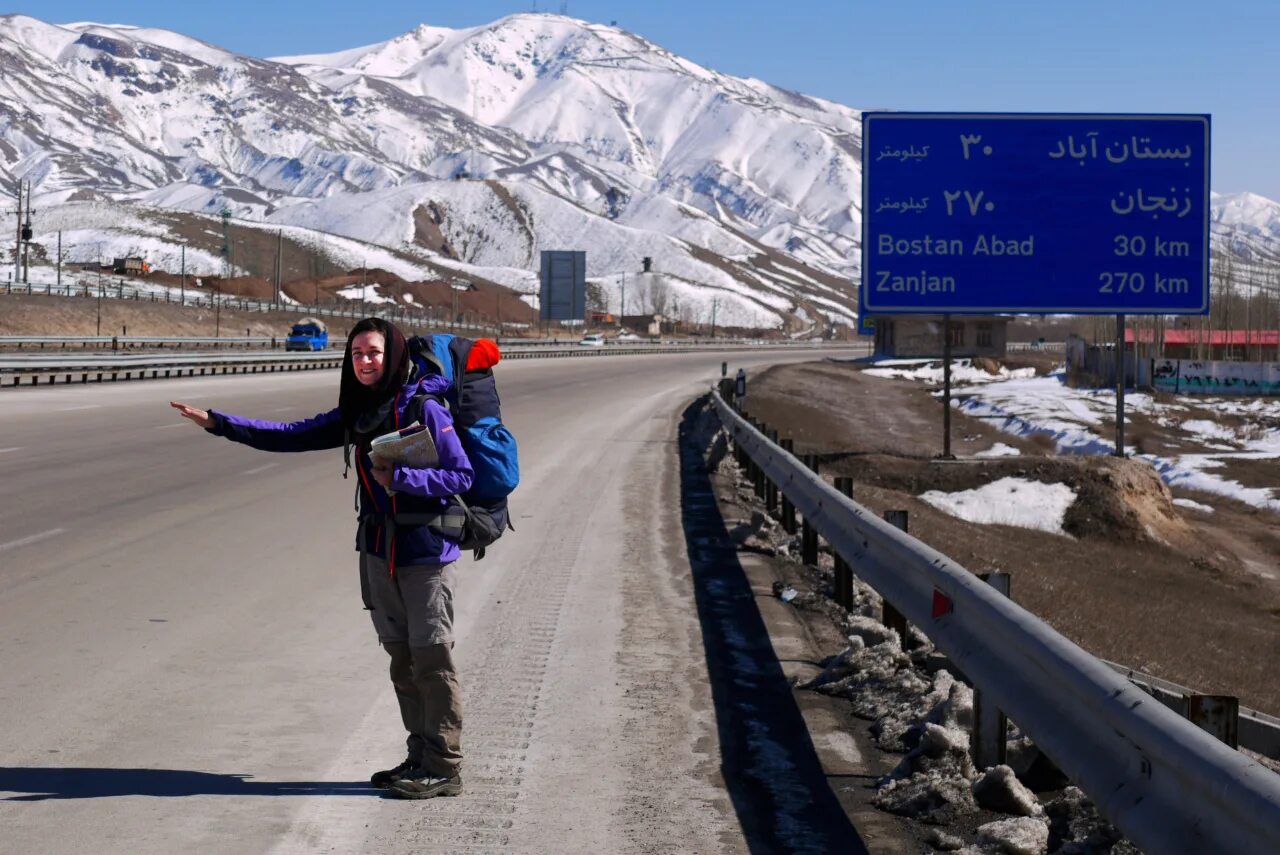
[
  {"x": 115, "y": 343},
  {"x": 808, "y": 534},
  {"x": 788, "y": 509},
  {"x": 1219, "y": 715},
  {"x": 987, "y": 745},
  {"x": 770, "y": 488},
  {"x": 757, "y": 471},
  {"x": 890, "y": 616},
  {"x": 844, "y": 574}
]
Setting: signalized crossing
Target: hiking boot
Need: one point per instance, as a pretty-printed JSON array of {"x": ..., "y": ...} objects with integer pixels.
[
  {"x": 421, "y": 784},
  {"x": 384, "y": 779}
]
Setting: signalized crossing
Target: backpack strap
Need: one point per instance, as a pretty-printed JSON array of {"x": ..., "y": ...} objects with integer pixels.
[
  {"x": 449, "y": 522},
  {"x": 434, "y": 361},
  {"x": 417, "y": 404}
]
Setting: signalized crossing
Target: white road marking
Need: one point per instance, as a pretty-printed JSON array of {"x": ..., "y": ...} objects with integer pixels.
[
  {"x": 23, "y": 541},
  {"x": 83, "y": 407},
  {"x": 7, "y": 450},
  {"x": 176, "y": 424},
  {"x": 263, "y": 468}
]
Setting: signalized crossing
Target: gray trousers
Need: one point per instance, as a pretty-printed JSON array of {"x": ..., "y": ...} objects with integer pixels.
[{"x": 412, "y": 612}]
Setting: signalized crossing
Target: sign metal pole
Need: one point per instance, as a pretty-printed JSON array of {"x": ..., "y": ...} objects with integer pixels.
[
  {"x": 946, "y": 388},
  {"x": 1120, "y": 384}
]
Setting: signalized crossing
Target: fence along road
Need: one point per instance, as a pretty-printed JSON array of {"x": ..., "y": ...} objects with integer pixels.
[
  {"x": 1169, "y": 786},
  {"x": 187, "y": 666}
]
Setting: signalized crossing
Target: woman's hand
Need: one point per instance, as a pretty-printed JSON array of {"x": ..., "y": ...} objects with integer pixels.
[
  {"x": 200, "y": 417},
  {"x": 383, "y": 473}
]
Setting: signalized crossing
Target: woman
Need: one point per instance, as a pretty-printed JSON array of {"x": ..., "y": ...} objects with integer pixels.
[{"x": 406, "y": 562}]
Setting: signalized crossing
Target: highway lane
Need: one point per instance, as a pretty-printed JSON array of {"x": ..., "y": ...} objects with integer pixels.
[{"x": 186, "y": 664}]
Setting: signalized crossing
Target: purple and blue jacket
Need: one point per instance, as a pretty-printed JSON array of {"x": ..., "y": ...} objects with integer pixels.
[{"x": 417, "y": 491}]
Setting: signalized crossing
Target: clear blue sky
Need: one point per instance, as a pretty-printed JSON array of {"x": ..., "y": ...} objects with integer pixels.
[{"x": 1084, "y": 56}]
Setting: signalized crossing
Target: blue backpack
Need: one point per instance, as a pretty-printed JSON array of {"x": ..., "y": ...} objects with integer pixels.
[{"x": 472, "y": 399}]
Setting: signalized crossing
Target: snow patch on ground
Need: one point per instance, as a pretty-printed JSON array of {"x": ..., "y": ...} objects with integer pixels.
[
  {"x": 1047, "y": 406},
  {"x": 1009, "y": 501},
  {"x": 1193, "y": 505},
  {"x": 999, "y": 450},
  {"x": 931, "y": 371}
]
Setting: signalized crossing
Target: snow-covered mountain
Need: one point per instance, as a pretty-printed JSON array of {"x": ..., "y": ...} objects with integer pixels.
[
  {"x": 1247, "y": 225},
  {"x": 470, "y": 149},
  {"x": 483, "y": 146}
]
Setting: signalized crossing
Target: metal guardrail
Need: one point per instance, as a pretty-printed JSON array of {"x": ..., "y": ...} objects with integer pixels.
[
  {"x": 1034, "y": 347},
  {"x": 98, "y": 368},
  {"x": 50, "y": 369},
  {"x": 1167, "y": 785},
  {"x": 116, "y": 342},
  {"x": 122, "y": 342},
  {"x": 1257, "y": 731}
]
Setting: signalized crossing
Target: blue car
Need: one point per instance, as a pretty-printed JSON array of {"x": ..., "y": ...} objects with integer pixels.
[{"x": 307, "y": 334}]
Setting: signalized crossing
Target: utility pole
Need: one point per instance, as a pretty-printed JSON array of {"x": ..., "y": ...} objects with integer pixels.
[
  {"x": 622, "y": 309},
  {"x": 182, "y": 282},
  {"x": 279, "y": 262},
  {"x": 713, "y": 317},
  {"x": 17, "y": 247},
  {"x": 26, "y": 241},
  {"x": 59, "y": 259},
  {"x": 226, "y": 244}
]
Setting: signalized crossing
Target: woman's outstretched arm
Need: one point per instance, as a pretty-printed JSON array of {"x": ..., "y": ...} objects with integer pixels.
[{"x": 319, "y": 432}]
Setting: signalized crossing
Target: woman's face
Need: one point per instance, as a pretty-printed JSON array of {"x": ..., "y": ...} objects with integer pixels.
[{"x": 367, "y": 352}]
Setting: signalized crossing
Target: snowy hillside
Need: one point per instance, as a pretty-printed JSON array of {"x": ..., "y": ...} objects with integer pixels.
[
  {"x": 469, "y": 149},
  {"x": 535, "y": 132},
  {"x": 1247, "y": 224},
  {"x": 650, "y": 120}
]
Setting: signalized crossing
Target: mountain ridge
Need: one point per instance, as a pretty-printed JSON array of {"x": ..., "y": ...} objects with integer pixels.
[{"x": 597, "y": 135}]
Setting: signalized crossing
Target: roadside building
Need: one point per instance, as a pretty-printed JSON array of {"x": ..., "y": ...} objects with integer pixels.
[
  {"x": 911, "y": 336},
  {"x": 1212, "y": 345}
]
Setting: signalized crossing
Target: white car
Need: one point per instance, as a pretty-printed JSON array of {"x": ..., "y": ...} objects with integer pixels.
[
  {"x": 592, "y": 340},
  {"x": 629, "y": 336}
]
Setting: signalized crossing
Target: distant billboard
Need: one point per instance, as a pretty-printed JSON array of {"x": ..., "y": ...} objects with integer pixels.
[
  {"x": 1035, "y": 212},
  {"x": 564, "y": 285}
]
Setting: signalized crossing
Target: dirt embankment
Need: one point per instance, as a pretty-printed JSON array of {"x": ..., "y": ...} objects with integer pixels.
[
  {"x": 1136, "y": 580},
  {"x": 40, "y": 314},
  {"x": 76, "y": 316}
]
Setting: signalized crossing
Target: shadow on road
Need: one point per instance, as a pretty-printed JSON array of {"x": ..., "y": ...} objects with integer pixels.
[
  {"x": 42, "y": 783},
  {"x": 779, "y": 790}
]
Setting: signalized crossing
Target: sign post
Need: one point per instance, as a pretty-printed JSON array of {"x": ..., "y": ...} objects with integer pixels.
[
  {"x": 946, "y": 388},
  {"x": 1037, "y": 213},
  {"x": 1120, "y": 378}
]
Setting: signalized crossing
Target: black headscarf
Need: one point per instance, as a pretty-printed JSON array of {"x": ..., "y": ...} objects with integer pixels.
[{"x": 366, "y": 410}]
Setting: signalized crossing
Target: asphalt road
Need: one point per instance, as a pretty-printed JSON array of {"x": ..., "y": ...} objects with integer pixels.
[{"x": 185, "y": 665}]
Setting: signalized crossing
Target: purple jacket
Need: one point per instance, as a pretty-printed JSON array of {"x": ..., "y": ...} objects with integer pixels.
[{"x": 417, "y": 491}]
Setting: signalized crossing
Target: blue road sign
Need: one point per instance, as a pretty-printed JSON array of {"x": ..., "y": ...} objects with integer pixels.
[
  {"x": 563, "y": 296},
  {"x": 991, "y": 212}
]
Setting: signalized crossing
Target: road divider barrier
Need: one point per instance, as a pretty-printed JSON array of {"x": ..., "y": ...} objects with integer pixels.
[{"x": 37, "y": 370}]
